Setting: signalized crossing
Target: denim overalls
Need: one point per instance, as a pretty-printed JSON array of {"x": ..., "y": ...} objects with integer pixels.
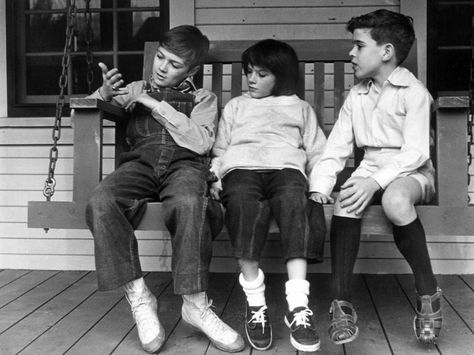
[{"x": 155, "y": 168}]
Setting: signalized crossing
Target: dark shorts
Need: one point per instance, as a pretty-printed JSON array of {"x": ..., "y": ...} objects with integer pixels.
[{"x": 252, "y": 197}]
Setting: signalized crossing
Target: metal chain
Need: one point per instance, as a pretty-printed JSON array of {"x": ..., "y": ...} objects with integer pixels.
[
  {"x": 50, "y": 182},
  {"x": 470, "y": 120},
  {"x": 89, "y": 56}
]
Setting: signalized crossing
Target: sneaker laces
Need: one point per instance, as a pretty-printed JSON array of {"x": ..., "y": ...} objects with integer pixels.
[
  {"x": 259, "y": 317},
  {"x": 302, "y": 318},
  {"x": 212, "y": 321}
]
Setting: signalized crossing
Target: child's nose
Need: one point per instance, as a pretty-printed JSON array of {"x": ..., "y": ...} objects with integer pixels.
[
  {"x": 252, "y": 78},
  {"x": 163, "y": 65}
]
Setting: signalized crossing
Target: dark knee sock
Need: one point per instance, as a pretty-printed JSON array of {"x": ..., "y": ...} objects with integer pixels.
[
  {"x": 411, "y": 241},
  {"x": 345, "y": 240}
]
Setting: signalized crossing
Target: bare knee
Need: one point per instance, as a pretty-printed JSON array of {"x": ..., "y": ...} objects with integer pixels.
[{"x": 398, "y": 207}]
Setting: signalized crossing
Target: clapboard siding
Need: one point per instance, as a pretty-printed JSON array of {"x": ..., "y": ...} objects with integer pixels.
[
  {"x": 283, "y": 20},
  {"x": 272, "y": 16},
  {"x": 25, "y": 144}
]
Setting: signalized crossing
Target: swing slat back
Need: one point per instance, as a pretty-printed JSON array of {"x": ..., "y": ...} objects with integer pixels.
[{"x": 325, "y": 78}]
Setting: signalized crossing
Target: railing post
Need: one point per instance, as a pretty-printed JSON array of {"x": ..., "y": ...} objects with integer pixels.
[{"x": 451, "y": 150}]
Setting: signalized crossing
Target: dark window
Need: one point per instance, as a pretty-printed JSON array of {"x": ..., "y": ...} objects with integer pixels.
[
  {"x": 449, "y": 44},
  {"x": 36, "y": 35}
]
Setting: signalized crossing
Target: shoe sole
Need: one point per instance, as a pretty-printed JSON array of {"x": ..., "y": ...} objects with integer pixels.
[
  {"x": 255, "y": 346},
  {"x": 302, "y": 347},
  {"x": 216, "y": 344}
]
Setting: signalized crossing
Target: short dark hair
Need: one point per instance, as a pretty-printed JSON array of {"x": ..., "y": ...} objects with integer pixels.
[
  {"x": 387, "y": 27},
  {"x": 279, "y": 58},
  {"x": 186, "y": 42}
]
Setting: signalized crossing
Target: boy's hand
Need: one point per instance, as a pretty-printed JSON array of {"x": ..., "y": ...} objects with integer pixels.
[
  {"x": 320, "y": 197},
  {"x": 215, "y": 191},
  {"x": 144, "y": 99},
  {"x": 357, "y": 192},
  {"x": 112, "y": 80}
]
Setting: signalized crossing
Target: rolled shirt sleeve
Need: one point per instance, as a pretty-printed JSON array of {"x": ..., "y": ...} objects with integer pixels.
[{"x": 196, "y": 132}]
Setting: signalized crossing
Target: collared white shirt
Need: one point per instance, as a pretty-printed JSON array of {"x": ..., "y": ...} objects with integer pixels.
[{"x": 396, "y": 117}]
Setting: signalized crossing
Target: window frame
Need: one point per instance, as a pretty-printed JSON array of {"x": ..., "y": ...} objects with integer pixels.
[{"x": 21, "y": 104}]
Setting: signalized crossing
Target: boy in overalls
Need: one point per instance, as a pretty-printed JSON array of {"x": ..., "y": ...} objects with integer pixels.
[{"x": 170, "y": 132}]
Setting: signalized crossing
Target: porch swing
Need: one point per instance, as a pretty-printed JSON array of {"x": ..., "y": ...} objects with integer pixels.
[{"x": 450, "y": 214}]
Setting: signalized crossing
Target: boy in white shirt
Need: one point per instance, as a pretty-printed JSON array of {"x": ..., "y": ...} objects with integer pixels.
[{"x": 388, "y": 115}]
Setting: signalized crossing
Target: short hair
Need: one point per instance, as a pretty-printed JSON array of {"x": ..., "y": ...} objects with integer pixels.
[
  {"x": 188, "y": 43},
  {"x": 387, "y": 27},
  {"x": 279, "y": 58}
]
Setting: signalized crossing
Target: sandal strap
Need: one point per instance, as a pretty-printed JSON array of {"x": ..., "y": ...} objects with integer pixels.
[
  {"x": 337, "y": 314},
  {"x": 426, "y": 305}
]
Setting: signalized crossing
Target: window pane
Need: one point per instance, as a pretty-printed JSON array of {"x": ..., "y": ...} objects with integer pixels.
[
  {"x": 102, "y": 31},
  {"x": 42, "y": 75},
  {"x": 47, "y": 5},
  {"x": 79, "y": 73},
  {"x": 131, "y": 67},
  {"x": 138, "y": 27},
  {"x": 45, "y": 32},
  {"x": 94, "y": 4},
  {"x": 145, "y": 3}
]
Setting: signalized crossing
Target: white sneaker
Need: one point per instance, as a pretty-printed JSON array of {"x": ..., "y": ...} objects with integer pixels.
[
  {"x": 145, "y": 313},
  {"x": 220, "y": 334}
]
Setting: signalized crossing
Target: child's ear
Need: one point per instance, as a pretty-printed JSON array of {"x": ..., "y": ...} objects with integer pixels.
[{"x": 388, "y": 52}]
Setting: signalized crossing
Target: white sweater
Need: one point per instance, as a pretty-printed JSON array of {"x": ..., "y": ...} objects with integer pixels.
[{"x": 274, "y": 132}]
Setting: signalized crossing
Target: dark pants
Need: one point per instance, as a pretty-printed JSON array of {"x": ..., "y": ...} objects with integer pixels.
[
  {"x": 154, "y": 171},
  {"x": 251, "y": 197}
]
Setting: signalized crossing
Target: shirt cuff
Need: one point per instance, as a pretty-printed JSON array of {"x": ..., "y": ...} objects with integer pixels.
[
  {"x": 165, "y": 110},
  {"x": 384, "y": 176},
  {"x": 322, "y": 184}
]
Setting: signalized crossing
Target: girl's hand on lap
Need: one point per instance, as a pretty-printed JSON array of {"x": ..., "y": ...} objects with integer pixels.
[
  {"x": 356, "y": 194},
  {"x": 320, "y": 198}
]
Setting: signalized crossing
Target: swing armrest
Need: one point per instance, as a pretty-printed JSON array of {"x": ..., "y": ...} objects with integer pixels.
[
  {"x": 109, "y": 111},
  {"x": 451, "y": 117}
]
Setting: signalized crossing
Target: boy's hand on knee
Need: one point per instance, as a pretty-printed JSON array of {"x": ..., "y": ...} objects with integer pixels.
[
  {"x": 356, "y": 194},
  {"x": 215, "y": 191},
  {"x": 320, "y": 198}
]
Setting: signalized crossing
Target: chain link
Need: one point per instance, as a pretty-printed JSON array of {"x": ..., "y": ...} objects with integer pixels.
[
  {"x": 50, "y": 182},
  {"x": 89, "y": 39}
]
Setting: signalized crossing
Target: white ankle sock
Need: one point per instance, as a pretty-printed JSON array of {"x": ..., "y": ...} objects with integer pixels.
[
  {"x": 254, "y": 290},
  {"x": 136, "y": 288},
  {"x": 198, "y": 299},
  {"x": 297, "y": 292}
]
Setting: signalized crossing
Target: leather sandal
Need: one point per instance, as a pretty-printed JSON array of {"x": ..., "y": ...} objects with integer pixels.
[
  {"x": 343, "y": 328},
  {"x": 427, "y": 324}
]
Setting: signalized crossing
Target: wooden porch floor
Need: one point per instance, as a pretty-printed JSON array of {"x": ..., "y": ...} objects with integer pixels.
[{"x": 51, "y": 312}]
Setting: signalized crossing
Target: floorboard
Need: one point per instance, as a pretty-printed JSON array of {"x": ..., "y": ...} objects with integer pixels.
[
  {"x": 49, "y": 312},
  {"x": 24, "y": 332},
  {"x": 371, "y": 339}
]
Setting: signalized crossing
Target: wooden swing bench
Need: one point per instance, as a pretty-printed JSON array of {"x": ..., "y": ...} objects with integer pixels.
[{"x": 324, "y": 73}]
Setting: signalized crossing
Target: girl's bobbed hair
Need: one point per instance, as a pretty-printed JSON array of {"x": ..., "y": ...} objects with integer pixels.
[{"x": 279, "y": 58}]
